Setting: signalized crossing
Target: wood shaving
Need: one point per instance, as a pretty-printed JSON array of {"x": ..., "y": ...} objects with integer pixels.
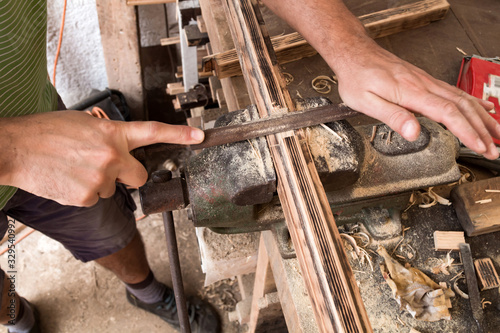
[
  {"x": 492, "y": 191},
  {"x": 461, "y": 51},
  {"x": 388, "y": 141},
  {"x": 443, "y": 267},
  {"x": 484, "y": 201},
  {"x": 426, "y": 199},
  {"x": 374, "y": 133},
  {"x": 359, "y": 253},
  {"x": 332, "y": 131},
  {"x": 361, "y": 236},
  {"x": 457, "y": 290},
  {"x": 288, "y": 78},
  {"x": 323, "y": 84},
  {"x": 485, "y": 303}
]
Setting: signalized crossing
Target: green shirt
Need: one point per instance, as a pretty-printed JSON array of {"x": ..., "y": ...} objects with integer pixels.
[{"x": 25, "y": 87}]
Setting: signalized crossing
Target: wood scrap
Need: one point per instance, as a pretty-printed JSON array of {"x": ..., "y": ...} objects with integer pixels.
[
  {"x": 175, "y": 88},
  {"x": 170, "y": 41},
  {"x": 487, "y": 274},
  {"x": 448, "y": 240},
  {"x": 476, "y": 205}
]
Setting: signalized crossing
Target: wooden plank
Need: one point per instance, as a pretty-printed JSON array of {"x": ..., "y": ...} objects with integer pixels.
[
  {"x": 148, "y": 2},
  {"x": 487, "y": 274},
  {"x": 201, "y": 23},
  {"x": 477, "y": 206},
  {"x": 263, "y": 284},
  {"x": 448, "y": 240},
  {"x": 291, "y": 289},
  {"x": 329, "y": 279},
  {"x": 174, "y": 88},
  {"x": 292, "y": 47},
  {"x": 120, "y": 44},
  {"x": 170, "y": 41}
]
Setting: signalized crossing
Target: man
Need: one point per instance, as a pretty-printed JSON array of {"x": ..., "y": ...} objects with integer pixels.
[
  {"x": 69, "y": 158},
  {"x": 74, "y": 159}
]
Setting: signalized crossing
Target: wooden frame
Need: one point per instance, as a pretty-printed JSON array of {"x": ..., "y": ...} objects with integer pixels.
[{"x": 334, "y": 295}]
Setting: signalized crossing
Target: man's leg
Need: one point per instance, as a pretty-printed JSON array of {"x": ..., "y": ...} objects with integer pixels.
[
  {"x": 107, "y": 233},
  {"x": 15, "y": 312},
  {"x": 129, "y": 264}
]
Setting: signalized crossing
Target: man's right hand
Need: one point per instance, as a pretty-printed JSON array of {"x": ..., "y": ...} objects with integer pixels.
[{"x": 73, "y": 158}]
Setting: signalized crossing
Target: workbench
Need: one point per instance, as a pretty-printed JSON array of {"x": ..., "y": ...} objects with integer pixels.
[{"x": 469, "y": 26}]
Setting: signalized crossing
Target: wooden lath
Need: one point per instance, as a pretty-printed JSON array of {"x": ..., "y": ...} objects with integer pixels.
[
  {"x": 293, "y": 46},
  {"x": 328, "y": 277}
]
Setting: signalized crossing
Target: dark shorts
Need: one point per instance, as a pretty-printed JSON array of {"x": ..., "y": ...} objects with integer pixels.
[{"x": 89, "y": 233}]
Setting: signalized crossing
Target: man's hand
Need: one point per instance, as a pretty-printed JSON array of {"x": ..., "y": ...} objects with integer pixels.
[
  {"x": 73, "y": 158},
  {"x": 379, "y": 84},
  {"x": 385, "y": 87}
]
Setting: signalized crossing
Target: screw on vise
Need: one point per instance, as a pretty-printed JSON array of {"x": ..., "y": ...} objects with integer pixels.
[{"x": 161, "y": 176}]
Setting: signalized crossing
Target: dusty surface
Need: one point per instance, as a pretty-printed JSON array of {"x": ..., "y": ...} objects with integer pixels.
[{"x": 76, "y": 297}]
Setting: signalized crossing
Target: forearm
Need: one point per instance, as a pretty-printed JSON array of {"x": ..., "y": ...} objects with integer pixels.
[
  {"x": 8, "y": 152},
  {"x": 374, "y": 81},
  {"x": 327, "y": 25}
]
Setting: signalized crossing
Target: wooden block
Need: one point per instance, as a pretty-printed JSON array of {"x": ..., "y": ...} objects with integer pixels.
[
  {"x": 486, "y": 273},
  {"x": 448, "y": 240},
  {"x": 477, "y": 206},
  {"x": 194, "y": 36},
  {"x": 220, "y": 97},
  {"x": 201, "y": 23},
  {"x": 175, "y": 88},
  {"x": 170, "y": 41}
]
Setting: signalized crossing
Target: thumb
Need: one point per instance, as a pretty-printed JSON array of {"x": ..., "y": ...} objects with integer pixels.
[{"x": 143, "y": 133}]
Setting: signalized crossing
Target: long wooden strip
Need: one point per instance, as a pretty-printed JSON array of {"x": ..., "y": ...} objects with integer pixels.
[
  {"x": 292, "y": 47},
  {"x": 148, "y": 2},
  {"x": 334, "y": 295}
]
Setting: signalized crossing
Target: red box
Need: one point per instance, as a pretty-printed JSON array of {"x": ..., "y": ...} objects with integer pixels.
[{"x": 480, "y": 77}]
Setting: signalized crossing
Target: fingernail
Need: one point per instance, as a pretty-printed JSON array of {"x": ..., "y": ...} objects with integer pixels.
[
  {"x": 197, "y": 134},
  {"x": 409, "y": 129},
  {"x": 480, "y": 145}
]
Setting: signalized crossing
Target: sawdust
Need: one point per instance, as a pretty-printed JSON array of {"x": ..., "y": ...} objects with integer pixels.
[
  {"x": 224, "y": 294},
  {"x": 230, "y": 246}
]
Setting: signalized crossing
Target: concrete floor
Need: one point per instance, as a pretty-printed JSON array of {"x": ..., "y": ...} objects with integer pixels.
[{"x": 76, "y": 297}]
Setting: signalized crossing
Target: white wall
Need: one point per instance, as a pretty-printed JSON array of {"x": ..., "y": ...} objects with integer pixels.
[{"x": 81, "y": 65}]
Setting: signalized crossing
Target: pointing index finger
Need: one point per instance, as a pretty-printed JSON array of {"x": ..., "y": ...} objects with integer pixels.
[{"x": 145, "y": 133}]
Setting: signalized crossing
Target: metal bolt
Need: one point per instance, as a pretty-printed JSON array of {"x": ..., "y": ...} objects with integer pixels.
[
  {"x": 161, "y": 176},
  {"x": 189, "y": 210}
]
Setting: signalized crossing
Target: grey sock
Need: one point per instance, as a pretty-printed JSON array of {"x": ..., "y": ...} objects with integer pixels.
[
  {"x": 149, "y": 291},
  {"x": 26, "y": 319}
]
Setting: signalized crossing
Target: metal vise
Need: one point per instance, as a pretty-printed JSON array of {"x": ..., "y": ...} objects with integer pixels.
[{"x": 368, "y": 172}]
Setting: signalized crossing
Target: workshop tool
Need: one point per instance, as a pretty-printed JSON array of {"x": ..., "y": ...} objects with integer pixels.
[
  {"x": 472, "y": 287},
  {"x": 259, "y": 128},
  {"x": 231, "y": 187}
]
